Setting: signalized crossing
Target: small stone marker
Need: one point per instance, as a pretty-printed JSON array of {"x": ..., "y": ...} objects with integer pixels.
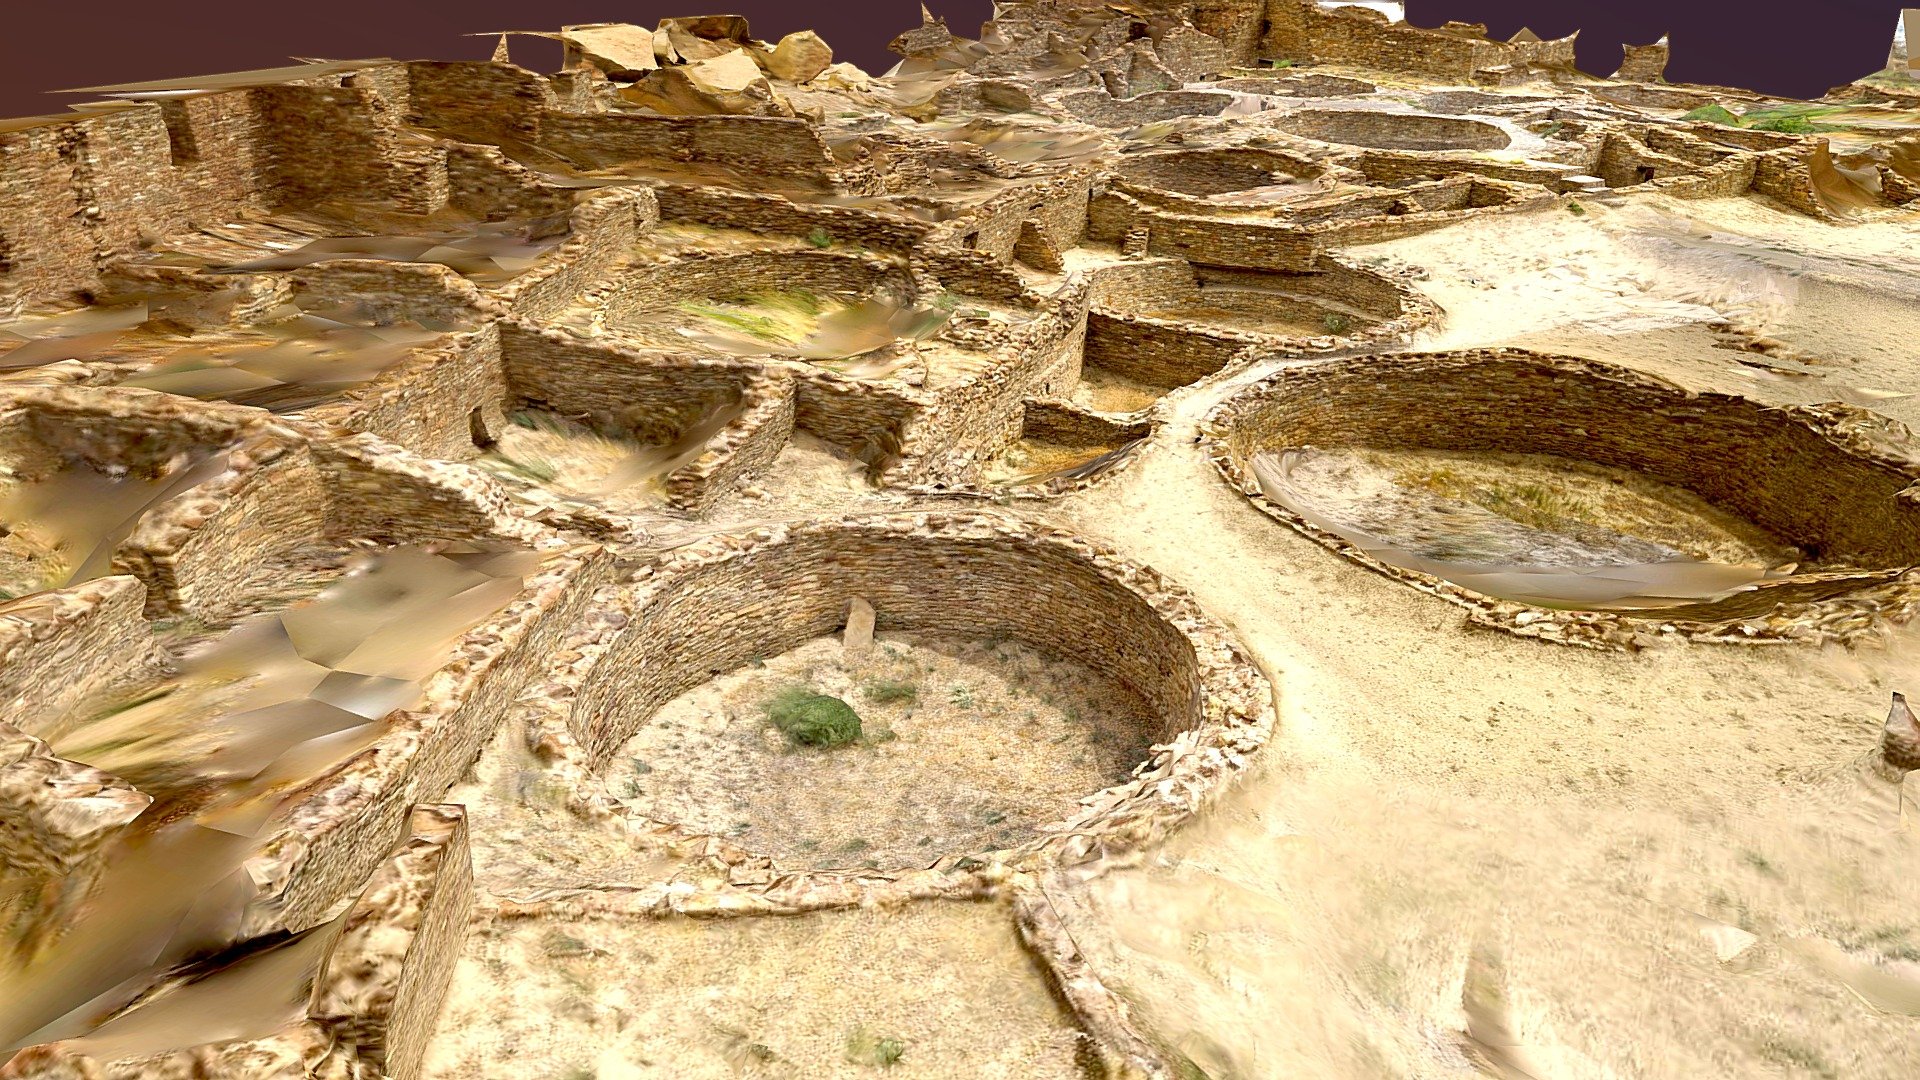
[{"x": 859, "y": 638}]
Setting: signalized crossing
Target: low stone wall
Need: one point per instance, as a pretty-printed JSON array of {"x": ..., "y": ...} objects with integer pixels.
[
  {"x": 1101, "y": 109},
  {"x": 1306, "y": 84},
  {"x": 980, "y": 413},
  {"x": 425, "y": 403},
  {"x": 1199, "y": 174},
  {"x": 656, "y": 397},
  {"x": 1820, "y": 477},
  {"x": 1049, "y": 420},
  {"x": 376, "y": 998},
  {"x": 639, "y": 292},
  {"x": 1165, "y": 350},
  {"x": 280, "y": 492},
  {"x": 715, "y": 605},
  {"x": 194, "y": 550},
  {"x": 1393, "y": 131},
  {"x": 777, "y": 215},
  {"x": 55, "y": 814},
  {"x": 390, "y": 291},
  {"x": 63, "y": 649},
  {"x": 322, "y": 843},
  {"x": 772, "y": 147},
  {"x": 602, "y": 230},
  {"x": 1286, "y": 244}
]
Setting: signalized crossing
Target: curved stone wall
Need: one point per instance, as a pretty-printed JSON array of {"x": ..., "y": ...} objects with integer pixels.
[
  {"x": 1203, "y": 173},
  {"x": 1827, "y": 478},
  {"x": 714, "y": 606},
  {"x": 1393, "y": 131}
]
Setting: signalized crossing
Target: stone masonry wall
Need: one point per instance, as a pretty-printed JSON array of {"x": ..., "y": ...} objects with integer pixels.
[
  {"x": 711, "y": 610},
  {"x": 1771, "y": 466}
]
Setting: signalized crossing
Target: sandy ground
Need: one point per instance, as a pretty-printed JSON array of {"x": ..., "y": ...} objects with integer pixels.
[
  {"x": 1525, "y": 508},
  {"x": 1665, "y": 864},
  {"x": 965, "y": 746},
  {"x": 1594, "y": 821},
  {"x": 1108, "y": 391},
  {"x": 1027, "y": 460},
  {"x": 948, "y": 986}
]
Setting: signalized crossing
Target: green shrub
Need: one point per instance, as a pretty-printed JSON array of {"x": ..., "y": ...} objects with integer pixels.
[
  {"x": 810, "y": 719},
  {"x": 1713, "y": 114},
  {"x": 1790, "y": 125},
  {"x": 1336, "y": 323},
  {"x": 866, "y": 1048},
  {"x": 820, "y": 237},
  {"x": 887, "y": 691}
]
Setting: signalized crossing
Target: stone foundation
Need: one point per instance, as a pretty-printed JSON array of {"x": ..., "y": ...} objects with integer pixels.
[
  {"x": 1830, "y": 479},
  {"x": 714, "y": 606}
]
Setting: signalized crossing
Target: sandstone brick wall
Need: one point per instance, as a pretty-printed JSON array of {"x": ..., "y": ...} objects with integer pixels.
[
  {"x": 1391, "y": 166},
  {"x": 1394, "y": 131},
  {"x": 1787, "y": 471},
  {"x": 387, "y": 977},
  {"x": 1219, "y": 171},
  {"x": 1644, "y": 63},
  {"x": 769, "y": 147},
  {"x": 324, "y": 844},
  {"x": 981, "y": 413},
  {"x": 1065, "y": 423},
  {"x": 74, "y": 190},
  {"x": 1136, "y": 328},
  {"x": 694, "y": 614},
  {"x": 328, "y": 142},
  {"x": 655, "y": 398},
  {"x": 477, "y": 98},
  {"x": 377, "y": 492},
  {"x": 638, "y": 293},
  {"x": 603, "y": 229},
  {"x": 1158, "y": 352},
  {"x": 1103, "y": 109},
  {"x": 64, "y": 649},
  {"x": 1784, "y": 175},
  {"x": 851, "y": 414},
  {"x": 423, "y": 403},
  {"x": 220, "y": 157},
  {"x": 377, "y": 994},
  {"x": 776, "y": 215},
  {"x": 390, "y": 291},
  {"x": 193, "y": 551},
  {"x": 482, "y": 180},
  {"x": 55, "y": 814}
]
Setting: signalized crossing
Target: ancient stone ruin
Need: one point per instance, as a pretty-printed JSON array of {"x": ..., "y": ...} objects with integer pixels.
[{"x": 712, "y": 562}]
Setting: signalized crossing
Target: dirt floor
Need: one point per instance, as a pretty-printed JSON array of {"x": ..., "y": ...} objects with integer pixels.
[
  {"x": 1029, "y": 460},
  {"x": 1108, "y": 391},
  {"x": 931, "y": 991},
  {"x": 1525, "y": 508},
  {"x": 964, "y": 746}
]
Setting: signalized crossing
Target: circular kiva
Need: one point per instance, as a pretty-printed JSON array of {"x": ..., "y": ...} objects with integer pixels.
[
  {"x": 964, "y": 585},
  {"x": 1393, "y": 131},
  {"x": 1586, "y": 503},
  {"x": 1199, "y": 176}
]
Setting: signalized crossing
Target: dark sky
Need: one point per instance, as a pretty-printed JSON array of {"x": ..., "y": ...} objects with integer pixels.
[{"x": 1796, "y": 47}]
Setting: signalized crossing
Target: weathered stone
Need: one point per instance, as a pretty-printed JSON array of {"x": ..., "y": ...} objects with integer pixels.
[
  {"x": 858, "y": 637},
  {"x": 799, "y": 57}
]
